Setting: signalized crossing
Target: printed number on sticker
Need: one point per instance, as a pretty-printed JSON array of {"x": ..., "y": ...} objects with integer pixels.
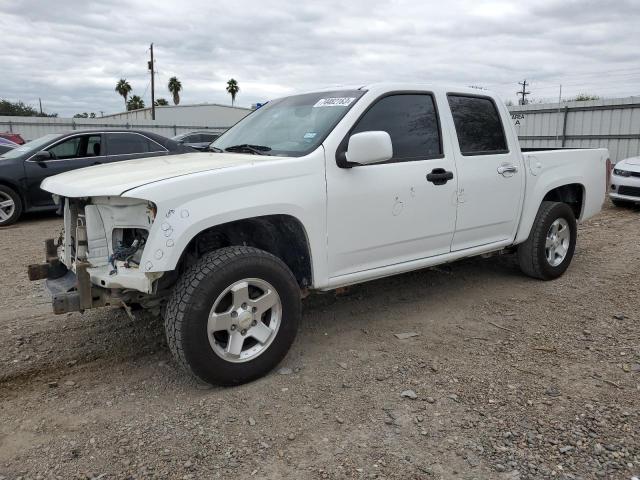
[{"x": 334, "y": 102}]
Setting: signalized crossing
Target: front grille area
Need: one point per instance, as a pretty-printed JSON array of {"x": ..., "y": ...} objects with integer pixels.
[
  {"x": 635, "y": 174},
  {"x": 631, "y": 191}
]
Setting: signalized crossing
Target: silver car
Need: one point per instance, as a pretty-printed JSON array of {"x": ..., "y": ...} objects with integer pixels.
[{"x": 197, "y": 140}]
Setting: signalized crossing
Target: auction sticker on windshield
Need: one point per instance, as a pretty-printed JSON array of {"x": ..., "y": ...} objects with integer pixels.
[{"x": 334, "y": 102}]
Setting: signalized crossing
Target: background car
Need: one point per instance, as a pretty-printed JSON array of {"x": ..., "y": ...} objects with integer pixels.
[
  {"x": 14, "y": 137},
  {"x": 23, "y": 168},
  {"x": 6, "y": 145},
  {"x": 197, "y": 140},
  {"x": 625, "y": 182}
]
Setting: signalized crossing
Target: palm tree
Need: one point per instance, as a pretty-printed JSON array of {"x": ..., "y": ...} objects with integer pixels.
[
  {"x": 161, "y": 102},
  {"x": 135, "y": 103},
  {"x": 123, "y": 88},
  {"x": 232, "y": 89},
  {"x": 174, "y": 88}
]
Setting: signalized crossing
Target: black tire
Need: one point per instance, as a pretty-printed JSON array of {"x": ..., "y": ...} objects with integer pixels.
[
  {"x": 532, "y": 253},
  {"x": 17, "y": 209},
  {"x": 187, "y": 311},
  {"x": 621, "y": 203}
]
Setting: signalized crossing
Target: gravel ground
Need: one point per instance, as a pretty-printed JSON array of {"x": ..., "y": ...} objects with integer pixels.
[{"x": 507, "y": 378}]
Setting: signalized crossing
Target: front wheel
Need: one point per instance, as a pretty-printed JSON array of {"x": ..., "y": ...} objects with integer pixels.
[
  {"x": 10, "y": 206},
  {"x": 233, "y": 315},
  {"x": 548, "y": 251}
]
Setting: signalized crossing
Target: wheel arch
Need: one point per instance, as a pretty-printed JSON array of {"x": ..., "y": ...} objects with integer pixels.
[
  {"x": 572, "y": 194},
  {"x": 570, "y": 191},
  {"x": 282, "y": 235},
  {"x": 16, "y": 188}
]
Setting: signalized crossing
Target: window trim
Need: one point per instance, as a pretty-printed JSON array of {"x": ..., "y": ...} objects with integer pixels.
[
  {"x": 341, "y": 157},
  {"x": 64, "y": 139},
  {"x": 495, "y": 106},
  {"x": 164, "y": 150}
]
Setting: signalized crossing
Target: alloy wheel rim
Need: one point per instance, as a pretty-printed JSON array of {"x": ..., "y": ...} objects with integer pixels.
[
  {"x": 557, "y": 242},
  {"x": 244, "y": 320},
  {"x": 7, "y": 207}
]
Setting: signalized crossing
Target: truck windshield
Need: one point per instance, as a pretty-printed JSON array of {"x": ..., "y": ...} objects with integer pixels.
[{"x": 290, "y": 126}]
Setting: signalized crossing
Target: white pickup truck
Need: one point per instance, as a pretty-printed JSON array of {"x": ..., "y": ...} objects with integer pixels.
[{"x": 311, "y": 192}]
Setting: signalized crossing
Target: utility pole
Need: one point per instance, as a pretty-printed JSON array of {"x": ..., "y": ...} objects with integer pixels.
[
  {"x": 40, "y": 101},
  {"x": 153, "y": 93},
  {"x": 524, "y": 93}
]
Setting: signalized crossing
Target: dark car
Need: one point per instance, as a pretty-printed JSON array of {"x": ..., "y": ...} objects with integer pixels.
[
  {"x": 23, "y": 168},
  {"x": 6, "y": 145},
  {"x": 197, "y": 140}
]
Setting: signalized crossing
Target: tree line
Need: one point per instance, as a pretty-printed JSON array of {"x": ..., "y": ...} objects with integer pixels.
[{"x": 135, "y": 102}]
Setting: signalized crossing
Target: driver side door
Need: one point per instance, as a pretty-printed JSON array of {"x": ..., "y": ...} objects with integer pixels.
[
  {"x": 70, "y": 153},
  {"x": 393, "y": 212}
]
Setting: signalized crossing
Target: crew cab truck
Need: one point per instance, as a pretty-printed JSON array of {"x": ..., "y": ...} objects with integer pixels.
[{"x": 309, "y": 193}]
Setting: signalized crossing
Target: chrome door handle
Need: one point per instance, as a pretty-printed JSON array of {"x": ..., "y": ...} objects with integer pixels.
[{"x": 507, "y": 170}]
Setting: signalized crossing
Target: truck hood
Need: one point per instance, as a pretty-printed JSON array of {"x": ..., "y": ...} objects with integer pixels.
[{"x": 113, "y": 179}]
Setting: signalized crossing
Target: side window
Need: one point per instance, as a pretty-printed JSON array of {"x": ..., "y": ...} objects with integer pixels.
[
  {"x": 155, "y": 146},
  {"x": 410, "y": 120},
  {"x": 94, "y": 147},
  {"x": 209, "y": 137},
  {"x": 70, "y": 148},
  {"x": 127, "y": 144},
  {"x": 478, "y": 125}
]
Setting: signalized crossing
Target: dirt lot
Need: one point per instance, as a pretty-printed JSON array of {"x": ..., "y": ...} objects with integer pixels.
[{"x": 513, "y": 378}]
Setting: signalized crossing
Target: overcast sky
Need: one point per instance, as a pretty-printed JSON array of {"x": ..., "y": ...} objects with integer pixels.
[{"x": 71, "y": 53}]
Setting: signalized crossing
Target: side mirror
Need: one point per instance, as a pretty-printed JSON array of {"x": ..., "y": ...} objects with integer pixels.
[
  {"x": 366, "y": 148},
  {"x": 42, "y": 156}
]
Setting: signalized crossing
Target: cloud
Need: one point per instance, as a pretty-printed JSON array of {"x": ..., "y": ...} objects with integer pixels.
[{"x": 72, "y": 55}]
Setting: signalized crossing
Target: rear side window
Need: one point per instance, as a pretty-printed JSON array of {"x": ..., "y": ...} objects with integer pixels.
[
  {"x": 478, "y": 125},
  {"x": 131, "y": 143},
  {"x": 410, "y": 120}
]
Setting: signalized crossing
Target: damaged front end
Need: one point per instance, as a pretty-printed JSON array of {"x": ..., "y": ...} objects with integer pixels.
[{"x": 96, "y": 260}]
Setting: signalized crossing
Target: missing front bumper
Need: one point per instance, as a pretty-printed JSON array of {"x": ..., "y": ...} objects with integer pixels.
[{"x": 70, "y": 292}]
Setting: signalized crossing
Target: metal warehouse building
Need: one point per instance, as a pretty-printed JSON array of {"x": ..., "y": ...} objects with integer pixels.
[
  {"x": 169, "y": 121},
  {"x": 610, "y": 123},
  {"x": 211, "y": 115}
]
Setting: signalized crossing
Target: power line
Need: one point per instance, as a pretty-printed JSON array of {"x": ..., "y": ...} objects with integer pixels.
[{"x": 524, "y": 93}]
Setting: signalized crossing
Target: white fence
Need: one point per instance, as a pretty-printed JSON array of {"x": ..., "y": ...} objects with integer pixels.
[
  {"x": 611, "y": 123},
  {"x": 31, "y": 128}
]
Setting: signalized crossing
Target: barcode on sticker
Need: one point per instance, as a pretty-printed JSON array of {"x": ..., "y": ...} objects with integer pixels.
[{"x": 334, "y": 102}]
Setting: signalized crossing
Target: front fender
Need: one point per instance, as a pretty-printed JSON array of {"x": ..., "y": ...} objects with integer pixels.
[{"x": 188, "y": 205}]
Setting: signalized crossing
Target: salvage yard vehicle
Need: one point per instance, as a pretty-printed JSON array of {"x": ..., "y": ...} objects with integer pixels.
[
  {"x": 197, "y": 140},
  {"x": 310, "y": 193},
  {"x": 23, "y": 168},
  {"x": 625, "y": 182}
]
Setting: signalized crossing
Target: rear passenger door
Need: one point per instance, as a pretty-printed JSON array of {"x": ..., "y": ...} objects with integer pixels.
[
  {"x": 393, "y": 212},
  {"x": 129, "y": 145},
  {"x": 490, "y": 173}
]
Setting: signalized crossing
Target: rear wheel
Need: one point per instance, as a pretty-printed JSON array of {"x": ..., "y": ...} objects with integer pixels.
[
  {"x": 548, "y": 251},
  {"x": 10, "y": 206},
  {"x": 233, "y": 316}
]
